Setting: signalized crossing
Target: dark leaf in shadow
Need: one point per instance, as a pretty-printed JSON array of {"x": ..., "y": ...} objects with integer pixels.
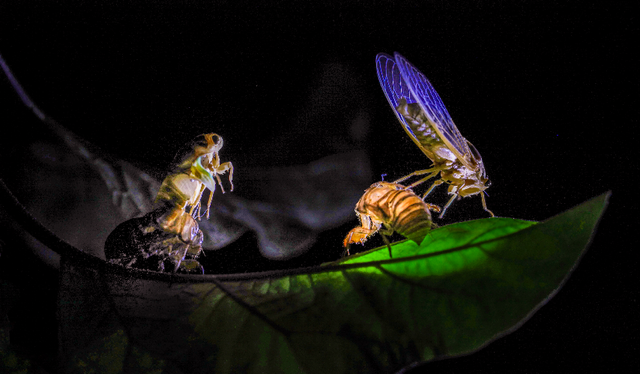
[{"x": 465, "y": 285}]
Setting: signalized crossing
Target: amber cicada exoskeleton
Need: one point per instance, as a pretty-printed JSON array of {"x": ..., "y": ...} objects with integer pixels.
[
  {"x": 426, "y": 120},
  {"x": 395, "y": 207},
  {"x": 169, "y": 238}
]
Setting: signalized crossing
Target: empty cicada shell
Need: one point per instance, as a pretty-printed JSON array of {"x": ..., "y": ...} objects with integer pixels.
[{"x": 388, "y": 208}]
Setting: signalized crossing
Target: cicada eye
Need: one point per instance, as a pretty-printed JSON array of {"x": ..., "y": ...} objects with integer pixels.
[
  {"x": 212, "y": 139},
  {"x": 214, "y": 142},
  {"x": 216, "y": 139}
]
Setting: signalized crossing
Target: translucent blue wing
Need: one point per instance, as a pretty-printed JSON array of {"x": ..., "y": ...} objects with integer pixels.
[
  {"x": 400, "y": 79},
  {"x": 432, "y": 105},
  {"x": 395, "y": 88}
]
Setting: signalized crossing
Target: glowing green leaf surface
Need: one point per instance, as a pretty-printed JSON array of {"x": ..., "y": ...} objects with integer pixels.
[{"x": 463, "y": 286}]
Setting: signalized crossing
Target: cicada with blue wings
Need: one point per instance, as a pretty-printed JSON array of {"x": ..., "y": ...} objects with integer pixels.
[{"x": 428, "y": 123}]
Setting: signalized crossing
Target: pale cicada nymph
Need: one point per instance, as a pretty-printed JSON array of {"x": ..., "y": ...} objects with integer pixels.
[
  {"x": 428, "y": 123},
  {"x": 395, "y": 207},
  {"x": 168, "y": 238}
]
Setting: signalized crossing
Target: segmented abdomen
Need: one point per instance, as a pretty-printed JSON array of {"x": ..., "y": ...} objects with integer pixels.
[{"x": 399, "y": 209}]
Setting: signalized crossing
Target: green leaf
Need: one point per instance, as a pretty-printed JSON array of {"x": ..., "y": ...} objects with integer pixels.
[{"x": 463, "y": 286}]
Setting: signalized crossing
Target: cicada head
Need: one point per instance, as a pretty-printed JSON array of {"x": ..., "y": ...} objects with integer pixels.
[
  {"x": 205, "y": 146},
  {"x": 356, "y": 236},
  {"x": 471, "y": 186},
  {"x": 475, "y": 182}
]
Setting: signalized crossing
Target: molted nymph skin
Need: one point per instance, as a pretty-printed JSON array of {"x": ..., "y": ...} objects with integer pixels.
[
  {"x": 396, "y": 208},
  {"x": 169, "y": 238},
  {"x": 141, "y": 243},
  {"x": 427, "y": 122}
]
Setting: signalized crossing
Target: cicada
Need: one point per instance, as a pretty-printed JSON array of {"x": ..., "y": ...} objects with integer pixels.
[
  {"x": 395, "y": 207},
  {"x": 428, "y": 123},
  {"x": 169, "y": 238}
]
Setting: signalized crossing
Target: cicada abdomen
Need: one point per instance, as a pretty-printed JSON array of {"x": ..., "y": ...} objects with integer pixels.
[
  {"x": 388, "y": 208},
  {"x": 427, "y": 122}
]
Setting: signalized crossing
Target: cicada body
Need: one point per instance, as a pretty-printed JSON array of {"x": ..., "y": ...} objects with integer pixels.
[
  {"x": 169, "y": 238},
  {"x": 388, "y": 208},
  {"x": 428, "y": 123},
  {"x": 194, "y": 168}
]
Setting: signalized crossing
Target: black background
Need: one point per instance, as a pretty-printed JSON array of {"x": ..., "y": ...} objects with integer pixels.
[{"x": 542, "y": 89}]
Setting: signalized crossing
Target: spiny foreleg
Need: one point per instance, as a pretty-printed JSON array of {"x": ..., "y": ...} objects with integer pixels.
[{"x": 220, "y": 169}]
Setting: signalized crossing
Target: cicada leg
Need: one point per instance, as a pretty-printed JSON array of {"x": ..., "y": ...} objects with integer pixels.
[
  {"x": 196, "y": 203},
  {"x": 228, "y": 166},
  {"x": 447, "y": 206},
  {"x": 221, "y": 169},
  {"x": 484, "y": 205},
  {"x": 433, "y": 207},
  {"x": 384, "y": 234},
  {"x": 209, "y": 203},
  {"x": 432, "y": 173},
  {"x": 434, "y": 185}
]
